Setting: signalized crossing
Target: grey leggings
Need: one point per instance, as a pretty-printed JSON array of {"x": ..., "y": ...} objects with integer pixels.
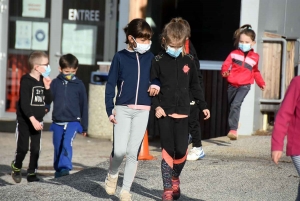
[
  {"x": 296, "y": 161},
  {"x": 128, "y": 135}
]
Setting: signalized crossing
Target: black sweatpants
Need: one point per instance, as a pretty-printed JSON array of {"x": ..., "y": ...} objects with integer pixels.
[
  {"x": 194, "y": 126},
  {"x": 236, "y": 97},
  {"x": 174, "y": 144},
  {"x": 25, "y": 132}
]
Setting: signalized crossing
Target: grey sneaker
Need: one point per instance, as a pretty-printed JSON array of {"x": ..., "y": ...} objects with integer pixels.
[{"x": 16, "y": 173}]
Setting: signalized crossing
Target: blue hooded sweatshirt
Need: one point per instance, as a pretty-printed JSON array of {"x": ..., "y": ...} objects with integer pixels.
[
  {"x": 130, "y": 72},
  {"x": 70, "y": 101}
]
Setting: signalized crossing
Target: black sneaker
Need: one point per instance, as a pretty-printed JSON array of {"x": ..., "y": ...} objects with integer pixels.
[
  {"x": 16, "y": 173},
  {"x": 31, "y": 177}
]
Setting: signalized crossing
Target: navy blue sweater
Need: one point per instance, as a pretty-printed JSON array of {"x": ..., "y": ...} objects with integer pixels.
[
  {"x": 70, "y": 101},
  {"x": 130, "y": 72}
]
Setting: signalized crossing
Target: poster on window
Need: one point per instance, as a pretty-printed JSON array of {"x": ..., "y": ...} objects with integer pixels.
[
  {"x": 80, "y": 40},
  {"x": 40, "y": 33},
  {"x": 23, "y": 35},
  {"x": 34, "y": 8}
]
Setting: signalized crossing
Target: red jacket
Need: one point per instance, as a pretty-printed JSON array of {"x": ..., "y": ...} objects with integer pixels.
[
  {"x": 288, "y": 121},
  {"x": 244, "y": 69}
]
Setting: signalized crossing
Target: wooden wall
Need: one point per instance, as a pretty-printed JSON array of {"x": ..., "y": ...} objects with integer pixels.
[{"x": 271, "y": 66}]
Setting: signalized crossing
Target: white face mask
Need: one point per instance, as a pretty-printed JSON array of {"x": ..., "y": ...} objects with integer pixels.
[{"x": 141, "y": 48}]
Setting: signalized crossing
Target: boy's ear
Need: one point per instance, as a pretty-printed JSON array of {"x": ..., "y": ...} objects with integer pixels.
[{"x": 59, "y": 68}]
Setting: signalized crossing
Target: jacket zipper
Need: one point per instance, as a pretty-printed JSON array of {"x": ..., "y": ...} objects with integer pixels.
[
  {"x": 176, "y": 92},
  {"x": 138, "y": 80},
  {"x": 64, "y": 83},
  {"x": 121, "y": 88}
]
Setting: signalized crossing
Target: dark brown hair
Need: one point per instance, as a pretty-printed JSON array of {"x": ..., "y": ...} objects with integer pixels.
[
  {"x": 35, "y": 58},
  {"x": 245, "y": 29},
  {"x": 138, "y": 28},
  {"x": 175, "y": 31},
  {"x": 68, "y": 60}
]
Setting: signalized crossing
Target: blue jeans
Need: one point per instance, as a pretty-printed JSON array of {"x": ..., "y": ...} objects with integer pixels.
[{"x": 63, "y": 136}]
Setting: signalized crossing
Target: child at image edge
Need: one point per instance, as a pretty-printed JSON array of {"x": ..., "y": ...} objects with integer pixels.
[
  {"x": 177, "y": 74},
  {"x": 70, "y": 113},
  {"x": 243, "y": 65},
  {"x": 34, "y": 95},
  {"x": 287, "y": 122},
  {"x": 130, "y": 72}
]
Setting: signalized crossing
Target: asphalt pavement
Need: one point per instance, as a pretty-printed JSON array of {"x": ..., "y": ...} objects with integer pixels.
[{"x": 231, "y": 170}]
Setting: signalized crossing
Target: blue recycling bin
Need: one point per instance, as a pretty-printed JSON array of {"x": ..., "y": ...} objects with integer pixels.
[{"x": 99, "y": 78}]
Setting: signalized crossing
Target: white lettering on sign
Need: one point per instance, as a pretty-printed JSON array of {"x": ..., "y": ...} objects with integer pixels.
[{"x": 83, "y": 15}]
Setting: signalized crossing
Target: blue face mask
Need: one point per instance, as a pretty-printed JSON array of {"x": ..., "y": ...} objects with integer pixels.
[
  {"x": 47, "y": 71},
  {"x": 245, "y": 47},
  {"x": 173, "y": 52}
]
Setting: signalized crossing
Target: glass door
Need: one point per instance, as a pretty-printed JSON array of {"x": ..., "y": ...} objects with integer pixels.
[
  {"x": 56, "y": 27},
  {"x": 27, "y": 30}
]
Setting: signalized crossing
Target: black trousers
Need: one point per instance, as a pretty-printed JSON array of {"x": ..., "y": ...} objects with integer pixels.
[
  {"x": 236, "y": 97},
  {"x": 173, "y": 136},
  {"x": 194, "y": 126},
  {"x": 25, "y": 132}
]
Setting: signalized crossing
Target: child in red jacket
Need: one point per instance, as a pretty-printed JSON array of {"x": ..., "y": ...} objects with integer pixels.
[
  {"x": 241, "y": 69},
  {"x": 287, "y": 123}
]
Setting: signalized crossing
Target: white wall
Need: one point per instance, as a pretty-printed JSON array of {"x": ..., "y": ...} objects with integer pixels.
[
  {"x": 123, "y": 21},
  {"x": 276, "y": 16},
  {"x": 249, "y": 15}
]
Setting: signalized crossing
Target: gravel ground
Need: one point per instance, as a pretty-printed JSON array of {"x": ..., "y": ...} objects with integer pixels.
[{"x": 237, "y": 170}]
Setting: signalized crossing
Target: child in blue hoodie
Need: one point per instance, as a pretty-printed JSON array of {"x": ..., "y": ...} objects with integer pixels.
[
  {"x": 130, "y": 73},
  {"x": 70, "y": 113}
]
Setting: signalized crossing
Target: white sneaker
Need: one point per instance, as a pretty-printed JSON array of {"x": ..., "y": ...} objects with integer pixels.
[
  {"x": 125, "y": 196},
  {"x": 195, "y": 153},
  {"x": 111, "y": 184}
]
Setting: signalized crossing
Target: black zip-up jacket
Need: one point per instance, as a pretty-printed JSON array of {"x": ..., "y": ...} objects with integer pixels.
[
  {"x": 69, "y": 101},
  {"x": 197, "y": 63},
  {"x": 32, "y": 98},
  {"x": 178, "y": 76}
]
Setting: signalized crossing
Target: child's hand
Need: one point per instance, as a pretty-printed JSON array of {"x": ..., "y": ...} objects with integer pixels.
[
  {"x": 263, "y": 87},
  {"x": 159, "y": 112},
  {"x": 112, "y": 119},
  {"x": 206, "y": 114},
  {"x": 276, "y": 156},
  {"x": 47, "y": 81},
  {"x": 152, "y": 91},
  {"x": 36, "y": 124},
  {"x": 84, "y": 134},
  {"x": 226, "y": 74}
]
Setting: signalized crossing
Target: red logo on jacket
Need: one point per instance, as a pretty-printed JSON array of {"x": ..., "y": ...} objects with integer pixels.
[{"x": 186, "y": 69}]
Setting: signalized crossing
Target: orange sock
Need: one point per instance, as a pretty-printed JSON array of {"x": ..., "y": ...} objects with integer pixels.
[{"x": 233, "y": 132}]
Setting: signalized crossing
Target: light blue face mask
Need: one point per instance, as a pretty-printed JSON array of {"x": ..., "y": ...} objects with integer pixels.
[
  {"x": 244, "y": 47},
  {"x": 47, "y": 71},
  {"x": 173, "y": 52}
]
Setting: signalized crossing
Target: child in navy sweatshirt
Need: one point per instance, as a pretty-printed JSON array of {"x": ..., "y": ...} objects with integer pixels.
[{"x": 70, "y": 113}]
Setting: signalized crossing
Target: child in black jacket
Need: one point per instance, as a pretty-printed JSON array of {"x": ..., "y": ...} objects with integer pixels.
[
  {"x": 197, "y": 151},
  {"x": 33, "y": 96},
  {"x": 178, "y": 76}
]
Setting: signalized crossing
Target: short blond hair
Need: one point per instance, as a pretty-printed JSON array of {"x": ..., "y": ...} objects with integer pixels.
[{"x": 35, "y": 57}]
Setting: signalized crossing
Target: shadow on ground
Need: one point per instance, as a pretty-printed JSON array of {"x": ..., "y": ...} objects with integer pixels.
[{"x": 91, "y": 181}]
